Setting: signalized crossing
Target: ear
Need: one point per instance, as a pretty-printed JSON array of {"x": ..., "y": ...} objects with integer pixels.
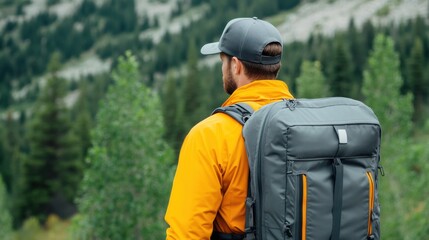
[{"x": 236, "y": 65}]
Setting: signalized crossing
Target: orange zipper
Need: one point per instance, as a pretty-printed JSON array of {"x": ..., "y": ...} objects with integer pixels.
[
  {"x": 304, "y": 207},
  {"x": 371, "y": 201}
]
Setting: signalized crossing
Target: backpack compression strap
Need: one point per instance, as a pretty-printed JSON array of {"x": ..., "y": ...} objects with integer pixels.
[{"x": 239, "y": 111}]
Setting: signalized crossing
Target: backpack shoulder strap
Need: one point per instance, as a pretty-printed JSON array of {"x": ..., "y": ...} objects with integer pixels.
[{"x": 241, "y": 112}]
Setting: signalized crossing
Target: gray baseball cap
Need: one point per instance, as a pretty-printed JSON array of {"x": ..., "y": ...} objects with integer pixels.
[{"x": 246, "y": 38}]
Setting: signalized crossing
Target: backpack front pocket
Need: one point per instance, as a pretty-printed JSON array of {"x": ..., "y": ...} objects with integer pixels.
[
  {"x": 313, "y": 202},
  {"x": 315, "y": 206},
  {"x": 358, "y": 201}
]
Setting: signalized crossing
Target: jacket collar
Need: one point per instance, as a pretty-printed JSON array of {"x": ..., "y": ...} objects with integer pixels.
[{"x": 260, "y": 91}]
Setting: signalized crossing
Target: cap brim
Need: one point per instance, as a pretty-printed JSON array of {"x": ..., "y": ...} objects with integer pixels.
[{"x": 210, "y": 48}]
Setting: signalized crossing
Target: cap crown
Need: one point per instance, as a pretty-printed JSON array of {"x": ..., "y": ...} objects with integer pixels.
[{"x": 246, "y": 38}]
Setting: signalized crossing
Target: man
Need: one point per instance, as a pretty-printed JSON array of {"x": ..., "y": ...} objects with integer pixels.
[{"x": 210, "y": 186}]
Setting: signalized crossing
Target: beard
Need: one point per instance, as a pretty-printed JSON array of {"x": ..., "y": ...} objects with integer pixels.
[{"x": 229, "y": 84}]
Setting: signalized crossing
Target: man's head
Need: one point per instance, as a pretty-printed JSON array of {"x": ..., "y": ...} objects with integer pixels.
[{"x": 254, "y": 44}]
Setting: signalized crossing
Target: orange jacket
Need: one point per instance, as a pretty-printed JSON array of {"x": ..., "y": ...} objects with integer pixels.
[{"x": 210, "y": 185}]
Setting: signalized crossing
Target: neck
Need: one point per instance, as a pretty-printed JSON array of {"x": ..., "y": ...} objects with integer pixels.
[{"x": 243, "y": 80}]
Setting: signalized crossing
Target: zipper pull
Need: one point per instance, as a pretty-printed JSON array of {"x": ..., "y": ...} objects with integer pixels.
[
  {"x": 291, "y": 103},
  {"x": 287, "y": 230},
  {"x": 381, "y": 169}
]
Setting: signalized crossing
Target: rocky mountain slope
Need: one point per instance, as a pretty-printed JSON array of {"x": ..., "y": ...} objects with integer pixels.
[{"x": 321, "y": 16}]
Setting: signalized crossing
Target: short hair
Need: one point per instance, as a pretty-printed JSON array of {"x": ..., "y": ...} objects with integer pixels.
[{"x": 257, "y": 71}]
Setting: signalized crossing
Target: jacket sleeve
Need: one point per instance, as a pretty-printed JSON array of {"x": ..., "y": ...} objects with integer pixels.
[{"x": 196, "y": 192}]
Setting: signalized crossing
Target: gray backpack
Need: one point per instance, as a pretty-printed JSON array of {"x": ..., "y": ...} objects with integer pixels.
[{"x": 313, "y": 169}]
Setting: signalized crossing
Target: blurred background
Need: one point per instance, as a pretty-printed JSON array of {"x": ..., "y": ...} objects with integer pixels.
[{"x": 96, "y": 97}]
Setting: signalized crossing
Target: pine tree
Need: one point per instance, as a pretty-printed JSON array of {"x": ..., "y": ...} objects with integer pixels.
[
  {"x": 126, "y": 186},
  {"x": 192, "y": 93},
  {"x": 170, "y": 105},
  {"x": 5, "y": 218},
  {"x": 368, "y": 35},
  {"x": 285, "y": 5},
  {"x": 358, "y": 54},
  {"x": 5, "y": 93},
  {"x": 53, "y": 169},
  {"x": 419, "y": 84},
  {"x": 4, "y": 158},
  {"x": 120, "y": 16},
  {"x": 12, "y": 168},
  {"x": 311, "y": 83},
  {"x": 83, "y": 121},
  {"x": 341, "y": 71},
  {"x": 12, "y": 143}
]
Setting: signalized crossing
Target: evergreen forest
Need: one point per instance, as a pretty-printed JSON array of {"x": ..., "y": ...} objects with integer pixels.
[{"x": 93, "y": 157}]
